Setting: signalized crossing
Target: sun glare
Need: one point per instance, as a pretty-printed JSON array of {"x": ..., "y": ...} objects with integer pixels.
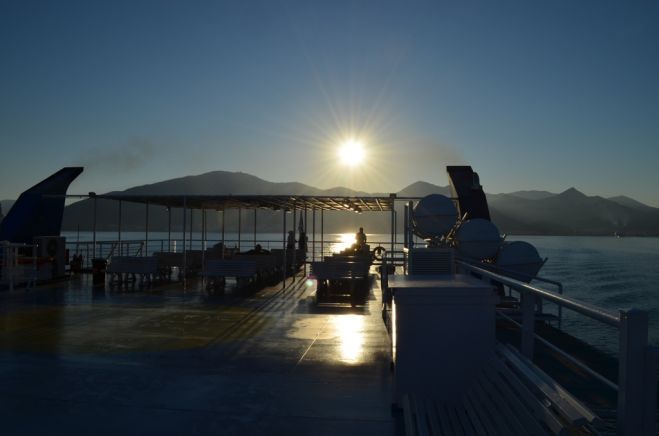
[
  {"x": 344, "y": 241},
  {"x": 351, "y": 152}
]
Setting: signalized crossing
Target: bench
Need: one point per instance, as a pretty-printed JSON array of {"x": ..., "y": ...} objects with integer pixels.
[
  {"x": 510, "y": 396},
  {"x": 121, "y": 266},
  {"x": 339, "y": 270},
  {"x": 167, "y": 261},
  {"x": 217, "y": 270},
  {"x": 294, "y": 258},
  {"x": 266, "y": 264},
  {"x": 338, "y": 277}
]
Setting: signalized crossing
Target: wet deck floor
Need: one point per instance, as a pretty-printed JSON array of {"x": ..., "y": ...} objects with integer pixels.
[{"x": 74, "y": 360}]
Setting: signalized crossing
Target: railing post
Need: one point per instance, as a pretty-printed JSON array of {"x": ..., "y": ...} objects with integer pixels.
[
  {"x": 650, "y": 400},
  {"x": 528, "y": 324},
  {"x": 560, "y": 308},
  {"x": 632, "y": 382}
]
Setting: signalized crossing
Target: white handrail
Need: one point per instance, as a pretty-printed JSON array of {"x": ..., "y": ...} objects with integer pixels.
[
  {"x": 591, "y": 311},
  {"x": 637, "y": 379}
]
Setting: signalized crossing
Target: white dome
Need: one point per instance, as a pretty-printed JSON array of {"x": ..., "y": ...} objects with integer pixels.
[
  {"x": 520, "y": 257},
  {"x": 433, "y": 216},
  {"x": 478, "y": 239}
]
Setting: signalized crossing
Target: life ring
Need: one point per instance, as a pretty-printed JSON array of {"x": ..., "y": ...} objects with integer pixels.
[{"x": 378, "y": 252}]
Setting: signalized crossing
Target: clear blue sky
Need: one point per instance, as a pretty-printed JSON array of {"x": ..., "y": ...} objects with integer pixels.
[{"x": 534, "y": 95}]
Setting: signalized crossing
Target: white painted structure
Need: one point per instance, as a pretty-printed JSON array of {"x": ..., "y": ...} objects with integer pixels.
[{"x": 443, "y": 332}]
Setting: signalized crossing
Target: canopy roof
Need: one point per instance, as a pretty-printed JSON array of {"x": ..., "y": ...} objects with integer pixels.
[{"x": 273, "y": 202}]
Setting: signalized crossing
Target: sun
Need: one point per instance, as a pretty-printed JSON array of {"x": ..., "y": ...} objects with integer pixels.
[{"x": 351, "y": 153}]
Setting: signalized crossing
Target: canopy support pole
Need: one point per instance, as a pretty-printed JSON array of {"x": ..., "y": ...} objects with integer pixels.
[
  {"x": 203, "y": 246},
  {"x": 185, "y": 259},
  {"x": 145, "y": 252},
  {"x": 313, "y": 235},
  {"x": 191, "y": 226},
  {"x": 240, "y": 214},
  {"x": 305, "y": 243},
  {"x": 94, "y": 232},
  {"x": 283, "y": 281},
  {"x": 169, "y": 229},
  {"x": 294, "y": 253},
  {"x": 322, "y": 234},
  {"x": 119, "y": 230}
]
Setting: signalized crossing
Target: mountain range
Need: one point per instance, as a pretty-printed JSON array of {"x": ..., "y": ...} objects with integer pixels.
[{"x": 522, "y": 212}]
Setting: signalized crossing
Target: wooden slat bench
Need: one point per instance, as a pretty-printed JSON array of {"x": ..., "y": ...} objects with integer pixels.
[
  {"x": 168, "y": 260},
  {"x": 294, "y": 258},
  {"x": 511, "y": 396},
  {"x": 339, "y": 276},
  {"x": 122, "y": 266},
  {"x": 265, "y": 263},
  {"x": 217, "y": 270},
  {"x": 339, "y": 270}
]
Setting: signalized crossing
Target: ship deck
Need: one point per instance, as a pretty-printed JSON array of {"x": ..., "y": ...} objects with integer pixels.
[{"x": 75, "y": 359}]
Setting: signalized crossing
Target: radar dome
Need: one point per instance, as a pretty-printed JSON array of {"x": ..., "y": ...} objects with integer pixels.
[
  {"x": 433, "y": 216},
  {"x": 478, "y": 239},
  {"x": 519, "y": 257}
]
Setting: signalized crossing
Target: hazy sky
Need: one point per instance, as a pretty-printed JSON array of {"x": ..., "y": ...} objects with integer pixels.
[{"x": 534, "y": 95}]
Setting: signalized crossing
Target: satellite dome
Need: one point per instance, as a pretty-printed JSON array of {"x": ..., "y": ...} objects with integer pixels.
[
  {"x": 433, "y": 216},
  {"x": 519, "y": 257},
  {"x": 478, "y": 239}
]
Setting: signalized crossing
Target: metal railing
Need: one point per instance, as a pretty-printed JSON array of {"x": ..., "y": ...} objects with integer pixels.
[
  {"x": 637, "y": 379},
  {"x": 142, "y": 247}
]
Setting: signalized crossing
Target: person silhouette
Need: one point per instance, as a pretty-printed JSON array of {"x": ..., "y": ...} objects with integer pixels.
[
  {"x": 290, "y": 243},
  {"x": 360, "y": 239}
]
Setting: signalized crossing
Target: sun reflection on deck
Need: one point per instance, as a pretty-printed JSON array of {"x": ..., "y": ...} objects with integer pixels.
[{"x": 350, "y": 330}]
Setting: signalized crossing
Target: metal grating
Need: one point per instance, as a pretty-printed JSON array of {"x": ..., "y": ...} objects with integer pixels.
[{"x": 430, "y": 261}]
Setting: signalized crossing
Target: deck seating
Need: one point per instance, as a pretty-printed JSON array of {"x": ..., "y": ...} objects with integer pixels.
[
  {"x": 266, "y": 264},
  {"x": 167, "y": 260},
  {"x": 510, "y": 396},
  {"x": 339, "y": 270},
  {"x": 294, "y": 258},
  {"x": 244, "y": 268},
  {"x": 123, "y": 267},
  {"x": 342, "y": 275}
]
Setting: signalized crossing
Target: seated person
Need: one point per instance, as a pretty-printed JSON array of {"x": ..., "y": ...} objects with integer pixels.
[
  {"x": 360, "y": 239},
  {"x": 258, "y": 250}
]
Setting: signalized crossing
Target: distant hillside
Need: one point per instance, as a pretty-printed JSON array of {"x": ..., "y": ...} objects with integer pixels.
[
  {"x": 573, "y": 213},
  {"x": 521, "y": 212},
  {"x": 630, "y": 202},
  {"x": 568, "y": 213},
  {"x": 421, "y": 189},
  {"x": 532, "y": 195},
  {"x": 5, "y": 205}
]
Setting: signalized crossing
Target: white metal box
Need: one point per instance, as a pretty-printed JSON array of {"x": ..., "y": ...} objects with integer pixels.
[{"x": 443, "y": 332}]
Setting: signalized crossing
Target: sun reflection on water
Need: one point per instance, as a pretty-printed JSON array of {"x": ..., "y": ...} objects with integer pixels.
[
  {"x": 350, "y": 330},
  {"x": 344, "y": 241}
]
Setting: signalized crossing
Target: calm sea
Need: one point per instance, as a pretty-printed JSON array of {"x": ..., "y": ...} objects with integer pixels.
[
  {"x": 612, "y": 273},
  {"x": 608, "y": 272}
]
